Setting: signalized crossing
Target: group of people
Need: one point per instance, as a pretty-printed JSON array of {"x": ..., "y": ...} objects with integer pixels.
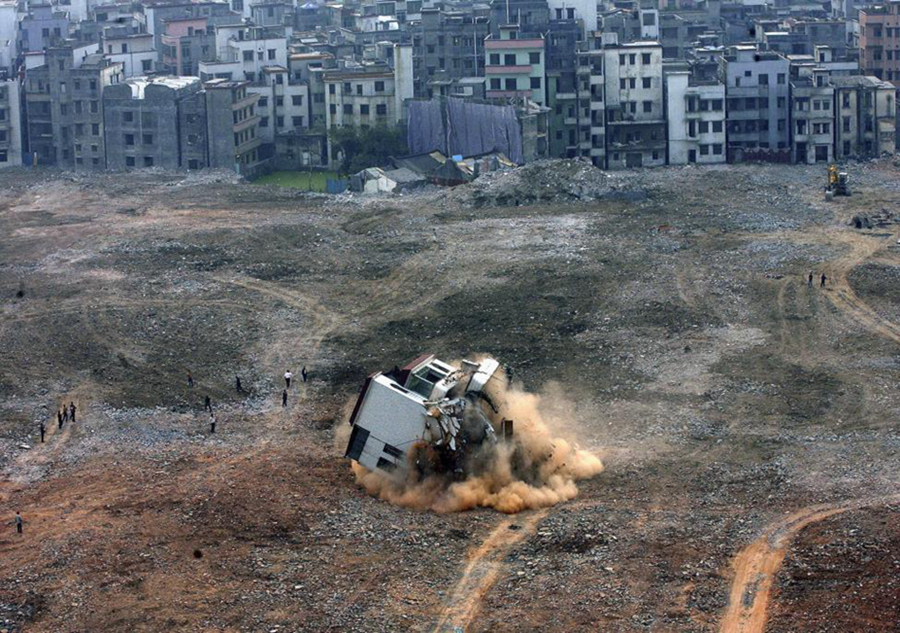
[
  {"x": 64, "y": 414},
  {"x": 288, "y": 376},
  {"x": 809, "y": 280}
]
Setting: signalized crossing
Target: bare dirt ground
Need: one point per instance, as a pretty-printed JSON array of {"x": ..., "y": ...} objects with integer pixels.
[{"x": 748, "y": 423}]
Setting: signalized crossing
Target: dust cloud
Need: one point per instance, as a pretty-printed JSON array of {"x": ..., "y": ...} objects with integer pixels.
[{"x": 536, "y": 470}]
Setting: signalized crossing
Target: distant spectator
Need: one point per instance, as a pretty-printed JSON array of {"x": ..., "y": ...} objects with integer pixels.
[
  {"x": 284, "y": 397},
  {"x": 212, "y": 422},
  {"x": 823, "y": 279},
  {"x": 287, "y": 379},
  {"x": 207, "y": 404},
  {"x": 59, "y": 417},
  {"x": 72, "y": 411},
  {"x": 190, "y": 380},
  {"x": 237, "y": 384},
  {"x": 43, "y": 430},
  {"x": 304, "y": 374},
  {"x": 19, "y": 522}
]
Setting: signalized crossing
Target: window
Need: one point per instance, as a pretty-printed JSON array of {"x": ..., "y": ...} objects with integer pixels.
[
  {"x": 704, "y": 150},
  {"x": 716, "y": 105},
  {"x": 648, "y": 106},
  {"x": 782, "y": 78},
  {"x": 332, "y": 108},
  {"x": 363, "y": 109},
  {"x": 510, "y": 84},
  {"x": 716, "y": 126},
  {"x": 248, "y": 56},
  {"x": 264, "y": 121},
  {"x": 632, "y": 59},
  {"x": 279, "y": 102},
  {"x": 148, "y": 139},
  {"x": 129, "y": 161},
  {"x": 381, "y": 109},
  {"x": 297, "y": 100},
  {"x": 129, "y": 140},
  {"x": 128, "y": 116},
  {"x": 279, "y": 121},
  {"x": 148, "y": 161},
  {"x": 509, "y": 59},
  {"x": 826, "y": 105},
  {"x": 264, "y": 102},
  {"x": 348, "y": 108},
  {"x": 359, "y": 89},
  {"x": 845, "y": 100},
  {"x": 535, "y": 83},
  {"x": 534, "y": 58},
  {"x": 622, "y": 84},
  {"x": 95, "y": 107},
  {"x": 846, "y": 124},
  {"x": 645, "y": 82},
  {"x": 95, "y": 129},
  {"x": 495, "y": 84},
  {"x": 645, "y": 58},
  {"x": 495, "y": 59},
  {"x": 748, "y": 73},
  {"x": 717, "y": 148},
  {"x": 632, "y": 82},
  {"x": 816, "y": 105},
  {"x": 704, "y": 127},
  {"x": 763, "y": 79},
  {"x": 379, "y": 86}
]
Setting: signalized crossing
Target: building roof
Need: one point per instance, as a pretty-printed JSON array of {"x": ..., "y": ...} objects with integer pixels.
[
  {"x": 859, "y": 81},
  {"x": 139, "y": 84}
]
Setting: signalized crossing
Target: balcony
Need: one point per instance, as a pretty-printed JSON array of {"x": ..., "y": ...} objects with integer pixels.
[{"x": 507, "y": 70}]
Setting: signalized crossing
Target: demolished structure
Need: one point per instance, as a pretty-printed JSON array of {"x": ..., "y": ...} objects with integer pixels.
[{"x": 429, "y": 412}]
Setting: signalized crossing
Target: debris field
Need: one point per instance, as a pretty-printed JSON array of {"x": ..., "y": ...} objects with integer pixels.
[{"x": 746, "y": 421}]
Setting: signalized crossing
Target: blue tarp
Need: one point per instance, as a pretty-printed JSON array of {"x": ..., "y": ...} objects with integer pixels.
[{"x": 465, "y": 128}]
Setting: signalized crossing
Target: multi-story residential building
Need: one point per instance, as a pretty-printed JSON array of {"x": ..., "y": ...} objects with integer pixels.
[
  {"x": 10, "y": 124},
  {"x": 812, "y": 115},
  {"x": 232, "y": 125},
  {"x": 591, "y": 120},
  {"x": 64, "y": 105},
  {"x": 9, "y": 24},
  {"x": 134, "y": 51},
  {"x": 757, "y": 100},
  {"x": 43, "y": 26},
  {"x": 514, "y": 66},
  {"x": 865, "y": 116},
  {"x": 695, "y": 113},
  {"x": 146, "y": 123},
  {"x": 447, "y": 45},
  {"x": 309, "y": 69},
  {"x": 159, "y": 12},
  {"x": 879, "y": 41},
  {"x": 635, "y": 109}
]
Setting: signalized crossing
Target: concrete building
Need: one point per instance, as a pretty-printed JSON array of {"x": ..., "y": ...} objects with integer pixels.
[
  {"x": 757, "y": 93},
  {"x": 514, "y": 66},
  {"x": 695, "y": 112},
  {"x": 9, "y": 24},
  {"x": 591, "y": 120},
  {"x": 135, "y": 52},
  {"x": 159, "y": 12},
  {"x": 64, "y": 105},
  {"x": 43, "y": 26},
  {"x": 232, "y": 126},
  {"x": 144, "y": 124},
  {"x": 879, "y": 41},
  {"x": 447, "y": 45},
  {"x": 10, "y": 124},
  {"x": 635, "y": 109},
  {"x": 812, "y": 115},
  {"x": 866, "y": 110}
]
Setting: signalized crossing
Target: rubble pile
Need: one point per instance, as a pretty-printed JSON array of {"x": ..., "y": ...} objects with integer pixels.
[{"x": 547, "y": 181}]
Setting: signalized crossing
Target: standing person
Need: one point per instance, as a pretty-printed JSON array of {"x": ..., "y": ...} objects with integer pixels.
[
  {"x": 809, "y": 280},
  {"x": 72, "y": 411},
  {"x": 207, "y": 404},
  {"x": 237, "y": 384},
  {"x": 212, "y": 422},
  {"x": 59, "y": 417},
  {"x": 43, "y": 430},
  {"x": 284, "y": 397},
  {"x": 65, "y": 411},
  {"x": 287, "y": 379},
  {"x": 190, "y": 380},
  {"x": 304, "y": 374},
  {"x": 19, "y": 522},
  {"x": 823, "y": 279}
]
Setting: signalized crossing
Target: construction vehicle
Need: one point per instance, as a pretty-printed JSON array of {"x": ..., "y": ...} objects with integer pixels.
[{"x": 837, "y": 183}]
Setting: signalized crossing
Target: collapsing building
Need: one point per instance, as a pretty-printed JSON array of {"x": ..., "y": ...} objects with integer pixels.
[{"x": 429, "y": 412}]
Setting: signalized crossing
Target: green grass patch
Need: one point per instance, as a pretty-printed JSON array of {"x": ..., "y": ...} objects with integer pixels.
[{"x": 308, "y": 181}]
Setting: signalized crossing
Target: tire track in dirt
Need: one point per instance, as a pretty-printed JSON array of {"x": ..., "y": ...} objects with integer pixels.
[
  {"x": 481, "y": 572},
  {"x": 756, "y": 565}
]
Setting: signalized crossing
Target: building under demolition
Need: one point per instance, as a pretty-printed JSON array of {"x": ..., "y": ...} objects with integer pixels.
[{"x": 433, "y": 414}]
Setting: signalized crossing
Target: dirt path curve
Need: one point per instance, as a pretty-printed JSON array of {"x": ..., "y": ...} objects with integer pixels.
[
  {"x": 481, "y": 572},
  {"x": 756, "y": 565}
]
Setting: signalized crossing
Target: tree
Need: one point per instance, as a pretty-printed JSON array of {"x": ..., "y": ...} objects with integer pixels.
[{"x": 368, "y": 147}]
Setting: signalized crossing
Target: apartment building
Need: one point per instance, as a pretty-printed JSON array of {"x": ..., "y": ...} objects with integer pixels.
[
  {"x": 43, "y": 26},
  {"x": 695, "y": 112},
  {"x": 232, "y": 125},
  {"x": 879, "y": 41},
  {"x": 514, "y": 66},
  {"x": 447, "y": 45},
  {"x": 8, "y": 33},
  {"x": 865, "y": 116},
  {"x": 134, "y": 51},
  {"x": 64, "y": 105},
  {"x": 812, "y": 115},
  {"x": 145, "y": 126},
  {"x": 10, "y": 124},
  {"x": 591, "y": 106},
  {"x": 635, "y": 110},
  {"x": 758, "y": 100}
]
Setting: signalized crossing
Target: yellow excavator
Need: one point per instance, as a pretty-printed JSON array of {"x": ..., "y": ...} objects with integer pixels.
[{"x": 837, "y": 183}]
